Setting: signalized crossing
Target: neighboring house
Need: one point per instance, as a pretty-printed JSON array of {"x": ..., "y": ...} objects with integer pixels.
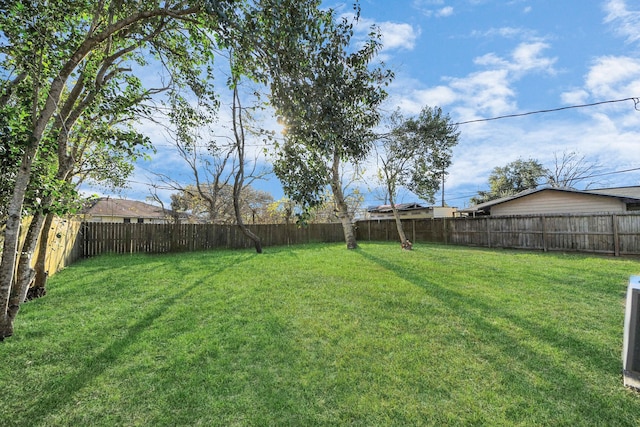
[
  {"x": 561, "y": 201},
  {"x": 409, "y": 211},
  {"x": 111, "y": 210}
]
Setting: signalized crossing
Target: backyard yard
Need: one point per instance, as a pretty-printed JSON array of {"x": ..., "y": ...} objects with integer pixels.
[{"x": 316, "y": 335}]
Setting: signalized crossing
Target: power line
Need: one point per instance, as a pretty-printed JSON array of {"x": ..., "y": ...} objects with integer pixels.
[
  {"x": 610, "y": 173},
  {"x": 636, "y": 103}
]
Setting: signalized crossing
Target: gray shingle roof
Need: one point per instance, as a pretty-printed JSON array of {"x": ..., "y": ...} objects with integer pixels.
[{"x": 107, "y": 206}]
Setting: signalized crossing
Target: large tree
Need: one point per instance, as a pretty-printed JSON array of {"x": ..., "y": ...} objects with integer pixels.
[
  {"x": 572, "y": 169},
  {"x": 254, "y": 204},
  {"x": 415, "y": 155},
  {"x": 329, "y": 113},
  {"x": 103, "y": 148},
  {"x": 512, "y": 179},
  {"x": 60, "y": 60}
]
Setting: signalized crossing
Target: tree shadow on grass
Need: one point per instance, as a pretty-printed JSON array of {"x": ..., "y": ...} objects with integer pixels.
[
  {"x": 557, "y": 376},
  {"x": 57, "y": 394}
]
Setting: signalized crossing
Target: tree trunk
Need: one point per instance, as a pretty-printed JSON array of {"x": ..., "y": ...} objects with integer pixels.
[
  {"x": 257, "y": 243},
  {"x": 11, "y": 243},
  {"x": 21, "y": 281},
  {"x": 404, "y": 242},
  {"x": 342, "y": 209},
  {"x": 238, "y": 182},
  {"x": 39, "y": 287},
  {"x": 11, "y": 289},
  {"x": 26, "y": 274}
]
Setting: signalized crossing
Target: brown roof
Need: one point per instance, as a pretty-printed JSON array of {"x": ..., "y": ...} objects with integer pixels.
[
  {"x": 399, "y": 206},
  {"x": 124, "y": 208}
]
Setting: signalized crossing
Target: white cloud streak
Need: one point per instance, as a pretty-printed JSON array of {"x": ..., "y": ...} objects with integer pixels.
[
  {"x": 395, "y": 35},
  {"x": 624, "y": 21},
  {"x": 487, "y": 92}
]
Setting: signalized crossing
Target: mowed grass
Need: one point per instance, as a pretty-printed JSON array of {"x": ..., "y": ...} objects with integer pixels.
[{"x": 317, "y": 335}]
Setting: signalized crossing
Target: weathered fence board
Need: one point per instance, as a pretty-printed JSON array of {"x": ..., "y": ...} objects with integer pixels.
[
  {"x": 617, "y": 234},
  {"x": 101, "y": 238},
  {"x": 63, "y": 246}
]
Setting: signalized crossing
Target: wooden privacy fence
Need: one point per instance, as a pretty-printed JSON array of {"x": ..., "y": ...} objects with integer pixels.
[
  {"x": 616, "y": 234},
  {"x": 98, "y": 238},
  {"x": 63, "y": 247}
]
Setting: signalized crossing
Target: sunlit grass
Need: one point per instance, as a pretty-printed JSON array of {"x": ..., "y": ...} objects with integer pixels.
[{"x": 318, "y": 335}]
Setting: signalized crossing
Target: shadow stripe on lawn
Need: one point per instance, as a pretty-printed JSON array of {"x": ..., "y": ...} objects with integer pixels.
[{"x": 542, "y": 364}]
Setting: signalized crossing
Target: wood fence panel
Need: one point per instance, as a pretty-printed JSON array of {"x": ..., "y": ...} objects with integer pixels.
[
  {"x": 63, "y": 247},
  {"x": 99, "y": 238},
  {"x": 611, "y": 234},
  {"x": 514, "y": 232},
  {"x": 628, "y": 234},
  {"x": 424, "y": 230},
  {"x": 375, "y": 230},
  {"x": 617, "y": 234},
  {"x": 469, "y": 232}
]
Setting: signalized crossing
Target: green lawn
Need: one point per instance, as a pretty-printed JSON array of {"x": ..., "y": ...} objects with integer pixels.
[{"x": 318, "y": 335}]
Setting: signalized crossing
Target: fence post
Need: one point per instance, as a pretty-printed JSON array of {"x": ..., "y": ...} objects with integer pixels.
[
  {"x": 413, "y": 225},
  {"x": 445, "y": 230},
  {"x": 488, "y": 233},
  {"x": 616, "y": 235},
  {"x": 544, "y": 233}
]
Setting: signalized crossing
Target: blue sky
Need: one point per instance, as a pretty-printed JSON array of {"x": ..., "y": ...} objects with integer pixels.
[{"x": 486, "y": 58}]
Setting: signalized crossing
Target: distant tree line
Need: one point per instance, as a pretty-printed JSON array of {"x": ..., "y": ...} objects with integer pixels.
[{"x": 570, "y": 170}]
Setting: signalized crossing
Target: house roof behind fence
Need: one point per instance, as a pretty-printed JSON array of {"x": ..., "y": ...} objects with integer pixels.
[
  {"x": 107, "y": 206},
  {"x": 399, "y": 206},
  {"x": 626, "y": 194}
]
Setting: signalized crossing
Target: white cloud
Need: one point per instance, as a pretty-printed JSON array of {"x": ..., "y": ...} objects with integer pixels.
[
  {"x": 507, "y": 32},
  {"x": 624, "y": 21},
  {"x": 444, "y": 12},
  {"x": 487, "y": 92},
  {"x": 395, "y": 35},
  {"x": 439, "y": 95},
  {"x": 431, "y": 8},
  {"x": 614, "y": 76},
  {"x": 527, "y": 57},
  {"x": 491, "y": 59},
  {"x": 398, "y": 35},
  {"x": 577, "y": 96}
]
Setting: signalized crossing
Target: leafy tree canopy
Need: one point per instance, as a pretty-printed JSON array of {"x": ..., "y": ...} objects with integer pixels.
[
  {"x": 417, "y": 152},
  {"x": 415, "y": 155},
  {"x": 511, "y": 179},
  {"x": 329, "y": 111},
  {"x": 64, "y": 63}
]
